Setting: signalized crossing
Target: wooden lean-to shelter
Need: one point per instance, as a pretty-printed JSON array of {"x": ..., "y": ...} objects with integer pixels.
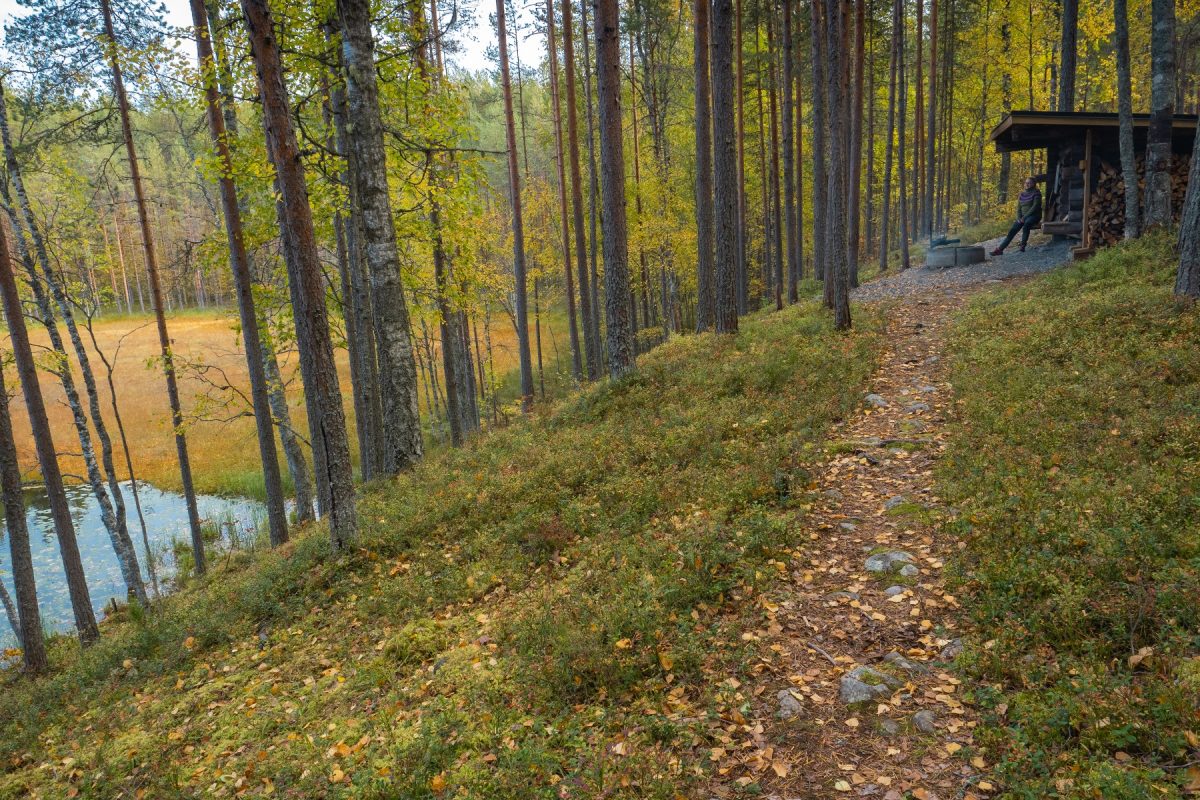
[{"x": 1085, "y": 191}]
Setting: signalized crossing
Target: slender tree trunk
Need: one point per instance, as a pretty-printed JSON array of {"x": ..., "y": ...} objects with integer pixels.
[
  {"x": 856, "y": 125},
  {"x": 1187, "y": 279},
  {"x": 837, "y": 276},
  {"x": 775, "y": 276},
  {"x": 647, "y": 319},
  {"x": 1133, "y": 212},
  {"x": 401, "y": 434},
  {"x": 918, "y": 151},
  {"x": 514, "y": 189},
  {"x": 560, "y": 163},
  {"x": 621, "y": 349},
  {"x": 743, "y": 286},
  {"x": 293, "y": 452},
  {"x": 327, "y": 422},
  {"x": 1157, "y": 205},
  {"x": 706, "y": 267},
  {"x": 168, "y": 359},
  {"x": 820, "y": 177},
  {"x": 789, "y": 154},
  {"x": 587, "y": 306},
  {"x": 902, "y": 115},
  {"x": 869, "y": 216},
  {"x": 931, "y": 127},
  {"x": 724, "y": 166},
  {"x": 1006, "y": 96},
  {"x": 593, "y": 184},
  {"x": 27, "y": 623},
  {"x": 60, "y": 510},
  {"x": 1066, "y": 76},
  {"x": 795, "y": 278},
  {"x": 240, "y": 267}
]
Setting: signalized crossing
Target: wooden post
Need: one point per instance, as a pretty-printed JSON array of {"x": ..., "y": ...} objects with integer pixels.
[{"x": 1085, "y": 245}]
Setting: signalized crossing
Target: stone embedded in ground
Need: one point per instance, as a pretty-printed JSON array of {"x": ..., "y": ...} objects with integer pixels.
[
  {"x": 870, "y": 441},
  {"x": 926, "y": 388},
  {"x": 789, "y": 706},
  {"x": 847, "y": 526},
  {"x": 908, "y": 665},
  {"x": 924, "y": 721},
  {"x": 875, "y": 400},
  {"x": 915, "y": 407},
  {"x": 909, "y": 571},
  {"x": 892, "y": 591},
  {"x": 892, "y": 502},
  {"x": 912, "y": 425},
  {"x": 833, "y": 494},
  {"x": 933, "y": 360},
  {"x": 889, "y": 727},
  {"x": 842, "y": 595},
  {"x": 884, "y": 562},
  {"x": 863, "y": 684},
  {"x": 951, "y": 651}
]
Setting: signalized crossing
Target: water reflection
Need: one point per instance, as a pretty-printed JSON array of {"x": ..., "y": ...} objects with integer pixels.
[{"x": 166, "y": 522}]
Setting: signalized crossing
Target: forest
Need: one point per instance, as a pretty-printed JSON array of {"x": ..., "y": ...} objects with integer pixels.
[{"x": 561, "y": 399}]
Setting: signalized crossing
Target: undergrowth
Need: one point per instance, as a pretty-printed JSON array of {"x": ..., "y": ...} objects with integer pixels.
[
  {"x": 1076, "y": 470},
  {"x": 543, "y": 613}
]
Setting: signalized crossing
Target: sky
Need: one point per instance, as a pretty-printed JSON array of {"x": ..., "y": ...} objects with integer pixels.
[{"x": 472, "y": 55}]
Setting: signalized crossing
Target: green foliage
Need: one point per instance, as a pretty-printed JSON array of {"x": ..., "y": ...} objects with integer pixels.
[{"x": 1076, "y": 471}]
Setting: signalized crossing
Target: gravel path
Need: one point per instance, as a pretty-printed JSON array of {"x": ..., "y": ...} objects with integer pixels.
[{"x": 1043, "y": 255}]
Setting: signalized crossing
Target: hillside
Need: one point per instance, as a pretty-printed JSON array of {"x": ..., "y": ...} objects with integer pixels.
[{"x": 541, "y": 612}]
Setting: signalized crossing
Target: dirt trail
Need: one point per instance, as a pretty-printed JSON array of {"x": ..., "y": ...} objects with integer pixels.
[{"x": 823, "y": 726}]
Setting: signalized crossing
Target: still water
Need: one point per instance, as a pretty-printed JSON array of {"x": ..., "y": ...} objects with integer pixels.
[{"x": 166, "y": 522}]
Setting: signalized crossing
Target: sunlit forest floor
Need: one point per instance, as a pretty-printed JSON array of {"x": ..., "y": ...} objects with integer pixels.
[
  {"x": 221, "y": 439},
  {"x": 611, "y": 598}
]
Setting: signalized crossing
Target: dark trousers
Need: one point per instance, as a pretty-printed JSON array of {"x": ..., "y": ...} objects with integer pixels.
[{"x": 1024, "y": 227}]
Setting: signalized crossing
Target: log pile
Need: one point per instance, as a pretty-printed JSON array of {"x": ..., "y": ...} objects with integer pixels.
[{"x": 1106, "y": 208}]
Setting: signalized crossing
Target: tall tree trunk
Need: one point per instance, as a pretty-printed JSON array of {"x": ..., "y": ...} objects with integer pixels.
[
  {"x": 1133, "y": 209},
  {"x": 918, "y": 151},
  {"x": 1187, "y": 279},
  {"x": 869, "y": 213},
  {"x": 1006, "y": 97},
  {"x": 931, "y": 127},
  {"x": 60, "y": 510},
  {"x": 587, "y": 307},
  {"x": 327, "y": 422},
  {"x": 1066, "y": 75},
  {"x": 820, "y": 177},
  {"x": 794, "y": 279},
  {"x": 647, "y": 320},
  {"x": 293, "y": 452},
  {"x": 724, "y": 166},
  {"x": 837, "y": 274},
  {"x": 621, "y": 349},
  {"x": 706, "y": 267},
  {"x": 240, "y": 267},
  {"x": 28, "y": 624},
  {"x": 164, "y": 339},
  {"x": 773, "y": 279},
  {"x": 593, "y": 181},
  {"x": 885, "y": 220},
  {"x": 1162, "y": 114},
  {"x": 560, "y": 163},
  {"x": 514, "y": 189},
  {"x": 856, "y": 124},
  {"x": 902, "y": 114},
  {"x": 401, "y": 434},
  {"x": 743, "y": 275},
  {"x": 789, "y": 154}
]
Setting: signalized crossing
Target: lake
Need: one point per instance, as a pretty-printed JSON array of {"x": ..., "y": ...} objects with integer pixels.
[{"x": 166, "y": 522}]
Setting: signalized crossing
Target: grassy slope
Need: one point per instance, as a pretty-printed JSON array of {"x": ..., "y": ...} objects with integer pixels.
[
  {"x": 537, "y": 615},
  {"x": 1077, "y": 472}
]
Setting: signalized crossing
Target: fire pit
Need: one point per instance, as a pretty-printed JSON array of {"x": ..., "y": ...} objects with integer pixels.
[{"x": 960, "y": 256}]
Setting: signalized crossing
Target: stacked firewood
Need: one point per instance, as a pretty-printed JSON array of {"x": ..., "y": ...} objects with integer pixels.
[{"x": 1106, "y": 210}]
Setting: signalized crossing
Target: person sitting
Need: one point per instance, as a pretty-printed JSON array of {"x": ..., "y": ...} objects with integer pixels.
[{"x": 1029, "y": 214}]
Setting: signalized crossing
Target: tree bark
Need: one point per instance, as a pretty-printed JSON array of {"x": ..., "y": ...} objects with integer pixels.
[
  {"x": 587, "y": 307},
  {"x": 621, "y": 347},
  {"x": 1157, "y": 204},
  {"x": 327, "y": 422},
  {"x": 240, "y": 267},
  {"x": 28, "y": 624},
  {"x": 820, "y": 177},
  {"x": 856, "y": 125},
  {"x": 789, "y": 154},
  {"x": 743, "y": 287},
  {"x": 773, "y": 279},
  {"x": 902, "y": 114},
  {"x": 60, "y": 510},
  {"x": 593, "y": 181},
  {"x": 1066, "y": 73},
  {"x": 706, "y": 267},
  {"x": 1187, "y": 280},
  {"x": 156, "y": 295},
  {"x": 560, "y": 164},
  {"x": 518, "y": 226},
  {"x": 401, "y": 433},
  {"x": 930, "y": 127},
  {"x": 724, "y": 166},
  {"x": 1133, "y": 209},
  {"x": 837, "y": 276}
]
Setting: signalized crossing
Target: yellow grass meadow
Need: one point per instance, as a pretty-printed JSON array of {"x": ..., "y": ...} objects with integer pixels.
[{"x": 221, "y": 441}]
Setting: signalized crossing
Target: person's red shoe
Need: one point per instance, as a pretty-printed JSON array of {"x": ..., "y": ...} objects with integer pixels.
[{"x": 997, "y": 252}]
